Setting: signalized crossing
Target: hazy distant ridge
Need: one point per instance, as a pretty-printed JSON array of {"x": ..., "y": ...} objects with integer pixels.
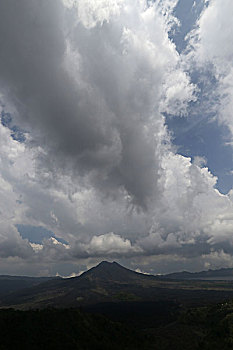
[{"x": 224, "y": 274}]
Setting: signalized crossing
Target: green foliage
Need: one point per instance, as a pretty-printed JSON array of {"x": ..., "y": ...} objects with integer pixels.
[{"x": 213, "y": 324}]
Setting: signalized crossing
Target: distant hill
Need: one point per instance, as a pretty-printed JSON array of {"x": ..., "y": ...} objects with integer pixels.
[
  {"x": 9, "y": 284},
  {"x": 113, "y": 283},
  {"x": 221, "y": 274}
]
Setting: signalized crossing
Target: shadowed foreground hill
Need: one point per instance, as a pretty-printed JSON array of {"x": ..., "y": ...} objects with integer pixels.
[
  {"x": 205, "y": 328},
  {"x": 111, "y": 282},
  {"x": 65, "y": 329}
]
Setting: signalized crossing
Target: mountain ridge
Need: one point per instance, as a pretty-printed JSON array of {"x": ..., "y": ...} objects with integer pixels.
[
  {"x": 223, "y": 272},
  {"x": 103, "y": 265},
  {"x": 109, "y": 282}
]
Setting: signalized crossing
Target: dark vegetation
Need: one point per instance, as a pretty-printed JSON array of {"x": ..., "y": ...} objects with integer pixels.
[
  {"x": 65, "y": 329},
  {"x": 110, "y": 307},
  {"x": 206, "y": 327}
]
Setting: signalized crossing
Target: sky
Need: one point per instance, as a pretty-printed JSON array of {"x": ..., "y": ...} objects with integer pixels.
[{"x": 116, "y": 135}]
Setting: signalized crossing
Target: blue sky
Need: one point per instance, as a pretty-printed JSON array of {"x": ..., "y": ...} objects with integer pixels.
[
  {"x": 194, "y": 136},
  {"x": 200, "y": 134}
]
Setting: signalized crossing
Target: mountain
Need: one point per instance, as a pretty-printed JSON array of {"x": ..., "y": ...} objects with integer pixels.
[
  {"x": 113, "y": 283},
  {"x": 220, "y": 274},
  {"x": 107, "y": 271},
  {"x": 104, "y": 282}
]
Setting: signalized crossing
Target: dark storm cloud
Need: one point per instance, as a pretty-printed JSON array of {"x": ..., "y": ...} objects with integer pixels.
[{"x": 93, "y": 127}]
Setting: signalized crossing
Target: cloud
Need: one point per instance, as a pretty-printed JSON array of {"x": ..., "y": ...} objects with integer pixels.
[
  {"x": 91, "y": 12},
  {"x": 110, "y": 244},
  {"x": 11, "y": 245},
  {"x": 212, "y": 43},
  {"x": 200, "y": 161},
  {"x": 87, "y": 83},
  {"x": 101, "y": 126},
  {"x": 11, "y": 158},
  {"x": 191, "y": 219}
]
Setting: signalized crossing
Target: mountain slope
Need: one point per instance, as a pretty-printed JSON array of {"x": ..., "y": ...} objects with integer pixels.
[
  {"x": 113, "y": 272},
  {"x": 9, "y": 284}
]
